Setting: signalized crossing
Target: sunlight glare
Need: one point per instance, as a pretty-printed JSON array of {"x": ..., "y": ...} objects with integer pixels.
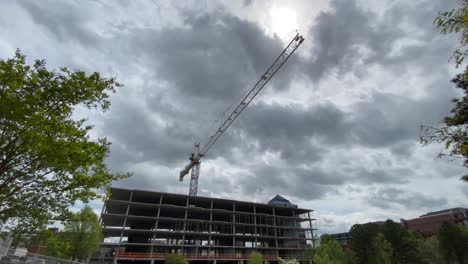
[{"x": 283, "y": 21}]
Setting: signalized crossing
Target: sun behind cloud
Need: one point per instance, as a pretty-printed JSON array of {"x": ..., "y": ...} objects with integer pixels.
[{"x": 283, "y": 21}]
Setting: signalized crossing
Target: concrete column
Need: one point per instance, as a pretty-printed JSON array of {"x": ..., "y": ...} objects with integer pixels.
[
  {"x": 156, "y": 225},
  {"x": 123, "y": 227},
  {"x": 101, "y": 223},
  {"x": 100, "y": 216},
  {"x": 276, "y": 232},
  {"x": 311, "y": 230},
  {"x": 234, "y": 226},
  {"x": 255, "y": 225},
  {"x": 151, "y": 253},
  {"x": 185, "y": 223},
  {"x": 157, "y": 215},
  {"x": 296, "y": 223},
  {"x": 210, "y": 229}
]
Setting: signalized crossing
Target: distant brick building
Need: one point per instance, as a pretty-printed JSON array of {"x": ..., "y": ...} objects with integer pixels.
[
  {"x": 38, "y": 247},
  {"x": 429, "y": 224}
]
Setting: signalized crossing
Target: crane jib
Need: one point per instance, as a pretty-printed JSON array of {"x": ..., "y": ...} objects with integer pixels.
[{"x": 247, "y": 99}]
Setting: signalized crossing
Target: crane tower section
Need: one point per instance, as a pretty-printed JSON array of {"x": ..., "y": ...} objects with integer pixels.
[{"x": 194, "y": 164}]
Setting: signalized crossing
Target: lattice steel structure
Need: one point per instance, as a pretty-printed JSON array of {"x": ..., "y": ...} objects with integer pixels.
[{"x": 147, "y": 226}]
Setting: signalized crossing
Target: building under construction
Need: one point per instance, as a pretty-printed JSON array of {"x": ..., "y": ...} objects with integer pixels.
[{"x": 147, "y": 226}]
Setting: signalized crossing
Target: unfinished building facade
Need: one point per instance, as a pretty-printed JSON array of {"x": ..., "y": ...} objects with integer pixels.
[{"x": 146, "y": 226}]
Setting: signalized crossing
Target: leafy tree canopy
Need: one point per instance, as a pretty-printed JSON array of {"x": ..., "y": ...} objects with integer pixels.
[
  {"x": 57, "y": 246},
  {"x": 361, "y": 240},
  {"x": 174, "y": 259},
  {"x": 403, "y": 242},
  {"x": 456, "y": 21},
  {"x": 380, "y": 251},
  {"x": 288, "y": 261},
  {"x": 325, "y": 238},
  {"x": 83, "y": 233},
  {"x": 453, "y": 129},
  {"x": 453, "y": 241},
  {"x": 331, "y": 252},
  {"x": 255, "y": 258},
  {"x": 47, "y": 159},
  {"x": 430, "y": 251},
  {"x": 80, "y": 238}
]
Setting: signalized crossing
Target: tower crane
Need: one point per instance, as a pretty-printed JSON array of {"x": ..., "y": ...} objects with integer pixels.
[{"x": 194, "y": 164}]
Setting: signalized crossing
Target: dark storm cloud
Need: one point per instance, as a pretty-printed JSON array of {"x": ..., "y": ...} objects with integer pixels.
[
  {"x": 313, "y": 182},
  {"x": 385, "y": 120},
  {"x": 387, "y": 175},
  {"x": 290, "y": 130},
  {"x": 349, "y": 36},
  {"x": 134, "y": 132},
  {"x": 318, "y": 176},
  {"x": 268, "y": 180},
  {"x": 192, "y": 73},
  {"x": 386, "y": 198},
  {"x": 338, "y": 35},
  {"x": 295, "y": 123},
  {"x": 403, "y": 149},
  {"x": 199, "y": 70},
  {"x": 205, "y": 67},
  {"x": 215, "y": 56},
  {"x": 62, "y": 20},
  {"x": 300, "y": 136}
]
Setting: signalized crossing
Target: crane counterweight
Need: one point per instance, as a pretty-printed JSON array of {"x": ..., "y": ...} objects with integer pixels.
[{"x": 194, "y": 165}]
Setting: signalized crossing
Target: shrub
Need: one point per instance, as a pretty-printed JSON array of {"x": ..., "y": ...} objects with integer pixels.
[
  {"x": 174, "y": 259},
  {"x": 255, "y": 258}
]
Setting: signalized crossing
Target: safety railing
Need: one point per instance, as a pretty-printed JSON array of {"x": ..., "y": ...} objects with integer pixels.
[{"x": 140, "y": 255}]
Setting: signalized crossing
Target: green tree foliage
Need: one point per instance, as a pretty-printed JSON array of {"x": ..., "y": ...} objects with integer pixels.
[
  {"x": 380, "y": 251},
  {"x": 361, "y": 240},
  {"x": 325, "y": 238},
  {"x": 331, "y": 252},
  {"x": 288, "y": 261},
  {"x": 255, "y": 258},
  {"x": 453, "y": 130},
  {"x": 393, "y": 243},
  {"x": 174, "y": 259},
  {"x": 404, "y": 243},
  {"x": 47, "y": 161},
  {"x": 57, "y": 246},
  {"x": 83, "y": 233},
  {"x": 309, "y": 254},
  {"x": 430, "y": 251},
  {"x": 37, "y": 240},
  {"x": 453, "y": 241},
  {"x": 80, "y": 238},
  {"x": 456, "y": 21}
]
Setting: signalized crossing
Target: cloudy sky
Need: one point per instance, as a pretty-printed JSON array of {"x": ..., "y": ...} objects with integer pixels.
[{"x": 337, "y": 130}]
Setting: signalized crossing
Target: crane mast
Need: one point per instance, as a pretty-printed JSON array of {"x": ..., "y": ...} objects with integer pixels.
[{"x": 194, "y": 164}]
